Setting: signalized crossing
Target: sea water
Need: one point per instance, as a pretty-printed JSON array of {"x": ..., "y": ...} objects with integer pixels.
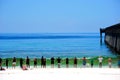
[{"x": 52, "y": 45}]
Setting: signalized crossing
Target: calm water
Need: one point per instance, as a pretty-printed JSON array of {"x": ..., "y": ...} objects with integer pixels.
[{"x": 48, "y": 45}]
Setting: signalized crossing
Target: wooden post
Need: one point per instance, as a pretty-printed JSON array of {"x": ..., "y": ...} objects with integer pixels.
[{"x": 100, "y": 36}]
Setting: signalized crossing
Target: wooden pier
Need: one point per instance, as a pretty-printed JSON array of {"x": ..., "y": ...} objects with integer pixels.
[{"x": 112, "y": 37}]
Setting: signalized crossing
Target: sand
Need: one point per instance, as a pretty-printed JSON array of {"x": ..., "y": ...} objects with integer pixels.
[{"x": 61, "y": 74}]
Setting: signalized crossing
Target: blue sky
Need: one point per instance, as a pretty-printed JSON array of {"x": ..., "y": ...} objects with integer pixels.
[{"x": 57, "y": 16}]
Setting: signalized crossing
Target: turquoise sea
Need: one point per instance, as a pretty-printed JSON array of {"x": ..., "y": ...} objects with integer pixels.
[{"x": 53, "y": 45}]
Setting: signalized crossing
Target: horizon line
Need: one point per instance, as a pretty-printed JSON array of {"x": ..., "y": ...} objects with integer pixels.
[{"x": 53, "y": 33}]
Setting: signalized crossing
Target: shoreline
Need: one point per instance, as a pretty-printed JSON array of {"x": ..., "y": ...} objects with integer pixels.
[{"x": 63, "y": 62}]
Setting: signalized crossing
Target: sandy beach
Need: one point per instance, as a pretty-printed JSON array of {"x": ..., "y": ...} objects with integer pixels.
[{"x": 61, "y": 74}]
